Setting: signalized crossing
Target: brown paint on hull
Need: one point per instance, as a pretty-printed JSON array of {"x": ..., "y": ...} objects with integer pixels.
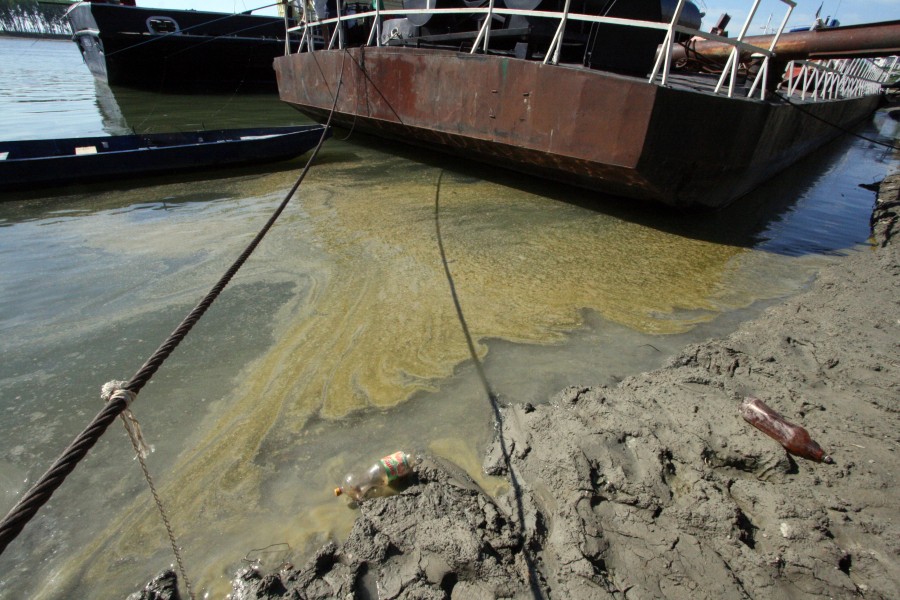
[{"x": 612, "y": 133}]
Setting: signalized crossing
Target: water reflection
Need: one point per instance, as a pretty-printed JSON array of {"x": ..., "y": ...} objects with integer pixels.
[
  {"x": 125, "y": 110},
  {"x": 785, "y": 215}
]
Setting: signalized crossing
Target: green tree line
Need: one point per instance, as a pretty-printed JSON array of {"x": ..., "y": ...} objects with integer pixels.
[{"x": 34, "y": 17}]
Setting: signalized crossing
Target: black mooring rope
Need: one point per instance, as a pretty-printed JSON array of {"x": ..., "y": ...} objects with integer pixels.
[
  {"x": 493, "y": 399},
  {"x": 40, "y": 493}
]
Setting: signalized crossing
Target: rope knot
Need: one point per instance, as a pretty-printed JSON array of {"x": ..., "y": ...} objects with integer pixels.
[{"x": 115, "y": 389}]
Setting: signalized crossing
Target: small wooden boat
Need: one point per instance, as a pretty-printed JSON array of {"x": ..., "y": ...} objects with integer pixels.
[{"x": 36, "y": 163}]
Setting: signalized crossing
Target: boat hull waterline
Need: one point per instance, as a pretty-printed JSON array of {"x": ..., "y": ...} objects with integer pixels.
[{"x": 607, "y": 132}]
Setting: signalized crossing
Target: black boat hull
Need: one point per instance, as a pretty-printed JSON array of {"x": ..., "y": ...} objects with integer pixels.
[
  {"x": 178, "y": 51},
  {"x": 26, "y": 165}
]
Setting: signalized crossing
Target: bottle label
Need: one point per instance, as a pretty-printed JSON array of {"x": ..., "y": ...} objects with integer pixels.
[{"x": 396, "y": 465}]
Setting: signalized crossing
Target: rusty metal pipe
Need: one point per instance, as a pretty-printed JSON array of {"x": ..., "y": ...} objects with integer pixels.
[{"x": 853, "y": 41}]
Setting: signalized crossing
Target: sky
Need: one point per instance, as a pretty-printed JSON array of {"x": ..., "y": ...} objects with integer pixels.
[{"x": 771, "y": 12}]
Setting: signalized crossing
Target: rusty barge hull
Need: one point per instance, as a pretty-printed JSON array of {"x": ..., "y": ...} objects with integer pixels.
[{"x": 615, "y": 134}]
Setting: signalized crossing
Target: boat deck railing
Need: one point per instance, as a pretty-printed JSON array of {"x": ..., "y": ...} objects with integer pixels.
[{"x": 836, "y": 79}]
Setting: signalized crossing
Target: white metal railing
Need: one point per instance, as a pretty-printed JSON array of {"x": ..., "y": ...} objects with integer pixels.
[
  {"x": 826, "y": 81},
  {"x": 380, "y": 14},
  {"x": 836, "y": 78},
  {"x": 731, "y": 67}
]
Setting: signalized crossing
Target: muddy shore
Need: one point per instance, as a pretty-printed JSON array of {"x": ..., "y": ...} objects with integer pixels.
[{"x": 656, "y": 487}]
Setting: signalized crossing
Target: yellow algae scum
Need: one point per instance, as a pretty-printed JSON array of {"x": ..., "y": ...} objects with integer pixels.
[{"x": 375, "y": 324}]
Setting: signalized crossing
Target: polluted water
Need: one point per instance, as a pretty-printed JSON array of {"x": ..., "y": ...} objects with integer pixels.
[{"x": 338, "y": 340}]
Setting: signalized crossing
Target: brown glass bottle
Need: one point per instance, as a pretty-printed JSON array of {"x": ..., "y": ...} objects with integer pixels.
[{"x": 794, "y": 438}]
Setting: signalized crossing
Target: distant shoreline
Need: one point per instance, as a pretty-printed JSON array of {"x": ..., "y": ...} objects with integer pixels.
[{"x": 40, "y": 36}]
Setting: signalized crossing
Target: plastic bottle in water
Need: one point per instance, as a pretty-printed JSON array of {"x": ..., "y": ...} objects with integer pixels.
[
  {"x": 794, "y": 438},
  {"x": 360, "y": 486}
]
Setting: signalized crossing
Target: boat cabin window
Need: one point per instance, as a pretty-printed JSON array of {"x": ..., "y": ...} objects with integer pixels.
[{"x": 162, "y": 25}]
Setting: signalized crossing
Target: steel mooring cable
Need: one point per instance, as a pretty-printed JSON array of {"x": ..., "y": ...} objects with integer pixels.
[{"x": 27, "y": 507}]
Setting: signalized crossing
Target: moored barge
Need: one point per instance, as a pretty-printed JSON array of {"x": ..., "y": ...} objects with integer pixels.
[{"x": 591, "y": 98}]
